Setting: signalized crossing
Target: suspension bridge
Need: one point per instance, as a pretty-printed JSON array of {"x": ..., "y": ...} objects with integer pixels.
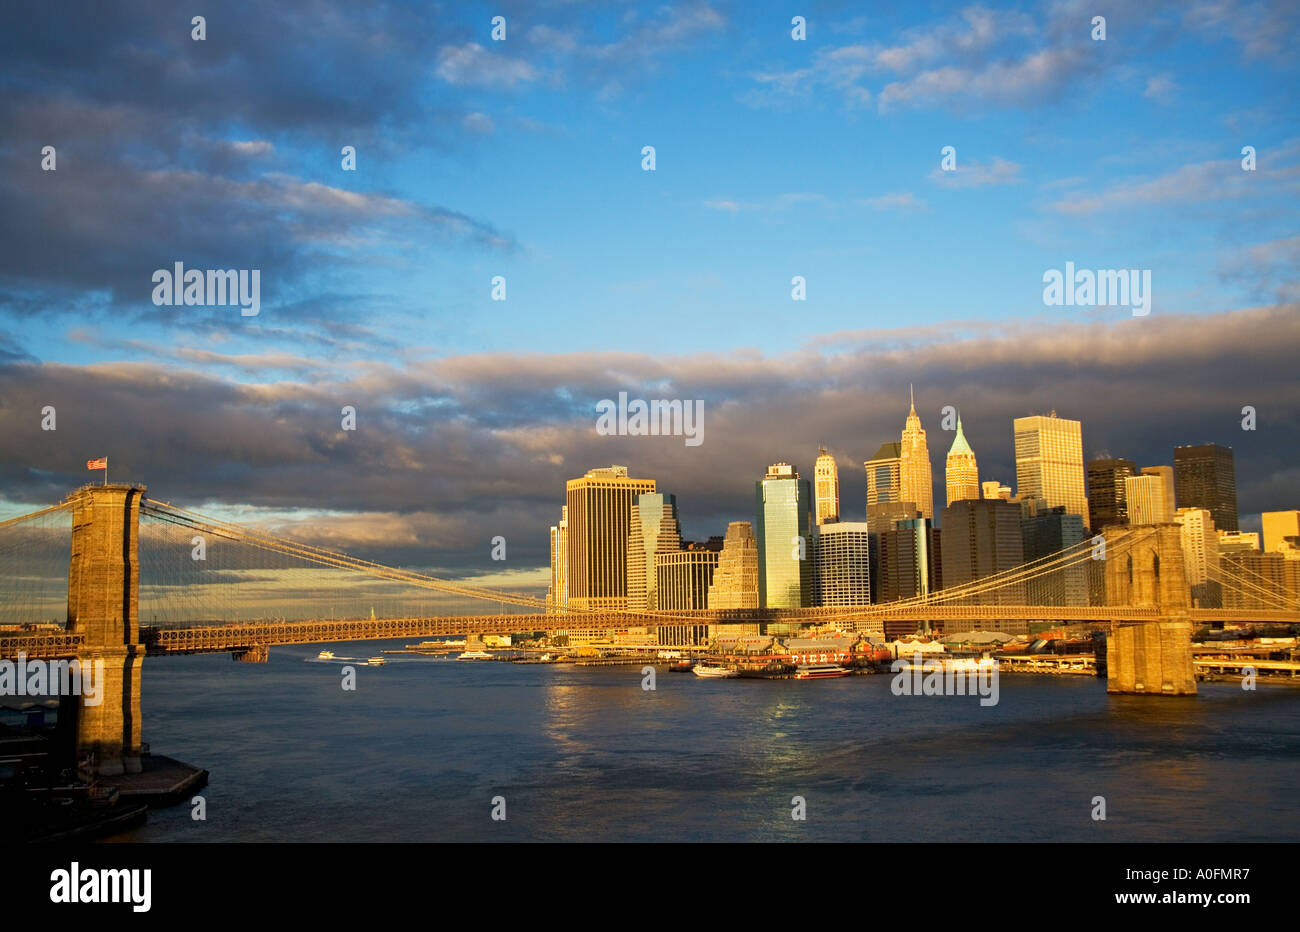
[{"x": 112, "y": 575}]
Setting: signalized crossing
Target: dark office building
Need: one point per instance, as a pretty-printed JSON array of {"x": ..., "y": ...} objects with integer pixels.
[
  {"x": 1047, "y": 532},
  {"x": 683, "y": 576},
  {"x": 1204, "y": 477},
  {"x": 908, "y": 565},
  {"x": 981, "y": 537},
  {"x": 1106, "y": 501}
]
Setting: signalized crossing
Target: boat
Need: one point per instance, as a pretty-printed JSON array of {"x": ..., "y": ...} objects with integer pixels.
[
  {"x": 325, "y": 655},
  {"x": 475, "y": 655},
  {"x": 713, "y": 672},
  {"x": 818, "y": 671},
  {"x": 681, "y": 666},
  {"x": 376, "y": 661}
]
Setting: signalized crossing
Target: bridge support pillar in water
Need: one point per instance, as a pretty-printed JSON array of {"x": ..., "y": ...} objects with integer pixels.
[
  {"x": 259, "y": 653},
  {"x": 1144, "y": 569},
  {"x": 1154, "y": 658},
  {"x": 103, "y": 604}
]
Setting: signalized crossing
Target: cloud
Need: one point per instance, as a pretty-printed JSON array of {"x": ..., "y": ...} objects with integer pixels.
[
  {"x": 1160, "y": 88},
  {"x": 982, "y": 56},
  {"x": 1196, "y": 183},
  {"x": 1263, "y": 29},
  {"x": 147, "y": 176},
  {"x": 776, "y": 203},
  {"x": 1266, "y": 270},
  {"x": 972, "y": 174},
  {"x": 904, "y": 201},
  {"x": 471, "y": 65},
  {"x": 482, "y": 444}
]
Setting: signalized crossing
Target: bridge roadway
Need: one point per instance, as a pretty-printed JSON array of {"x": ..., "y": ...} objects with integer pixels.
[{"x": 255, "y": 638}]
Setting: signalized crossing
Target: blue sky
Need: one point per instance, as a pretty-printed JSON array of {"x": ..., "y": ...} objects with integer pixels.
[
  {"x": 775, "y": 158},
  {"x": 522, "y": 158}
]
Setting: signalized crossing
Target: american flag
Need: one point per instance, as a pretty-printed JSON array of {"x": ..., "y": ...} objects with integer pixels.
[{"x": 101, "y": 463}]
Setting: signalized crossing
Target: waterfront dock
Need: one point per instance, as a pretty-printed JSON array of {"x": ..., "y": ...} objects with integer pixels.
[{"x": 162, "y": 781}]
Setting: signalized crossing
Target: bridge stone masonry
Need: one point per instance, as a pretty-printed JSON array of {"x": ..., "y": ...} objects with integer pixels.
[
  {"x": 1151, "y": 658},
  {"x": 103, "y": 606}
]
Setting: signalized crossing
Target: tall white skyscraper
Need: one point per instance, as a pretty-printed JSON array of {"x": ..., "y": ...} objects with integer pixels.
[
  {"x": 827, "y": 487},
  {"x": 1049, "y": 462},
  {"x": 1146, "y": 499},
  {"x": 915, "y": 481},
  {"x": 1200, "y": 544},
  {"x": 559, "y": 594}
]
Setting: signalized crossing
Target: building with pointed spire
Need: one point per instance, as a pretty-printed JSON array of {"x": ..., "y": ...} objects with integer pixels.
[
  {"x": 827, "y": 487},
  {"x": 961, "y": 476},
  {"x": 915, "y": 482}
]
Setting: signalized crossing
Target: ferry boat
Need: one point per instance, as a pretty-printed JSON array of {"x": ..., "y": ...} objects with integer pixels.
[
  {"x": 713, "y": 672},
  {"x": 818, "y": 671},
  {"x": 681, "y": 666},
  {"x": 376, "y": 661},
  {"x": 475, "y": 655},
  {"x": 325, "y": 655}
]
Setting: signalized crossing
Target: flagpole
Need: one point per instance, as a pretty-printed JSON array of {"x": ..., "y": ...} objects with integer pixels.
[{"x": 106, "y": 470}]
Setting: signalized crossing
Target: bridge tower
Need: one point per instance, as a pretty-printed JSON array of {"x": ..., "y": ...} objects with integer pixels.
[
  {"x": 103, "y": 605},
  {"x": 1144, "y": 569}
]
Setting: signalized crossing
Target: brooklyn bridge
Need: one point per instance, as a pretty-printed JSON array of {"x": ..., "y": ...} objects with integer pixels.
[{"x": 127, "y": 555}]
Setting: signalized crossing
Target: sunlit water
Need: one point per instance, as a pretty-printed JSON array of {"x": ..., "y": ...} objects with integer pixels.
[{"x": 422, "y": 746}]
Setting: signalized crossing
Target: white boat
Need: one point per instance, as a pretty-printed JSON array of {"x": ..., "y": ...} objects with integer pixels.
[
  {"x": 475, "y": 655},
  {"x": 819, "y": 671},
  {"x": 325, "y": 655},
  {"x": 713, "y": 672},
  {"x": 376, "y": 661}
]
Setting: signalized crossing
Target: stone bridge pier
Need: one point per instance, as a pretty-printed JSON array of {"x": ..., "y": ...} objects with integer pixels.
[
  {"x": 1149, "y": 658},
  {"x": 103, "y": 603}
]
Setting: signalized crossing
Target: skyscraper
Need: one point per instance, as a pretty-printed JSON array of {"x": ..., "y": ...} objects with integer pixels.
[
  {"x": 1200, "y": 555},
  {"x": 907, "y": 565},
  {"x": 735, "y": 582},
  {"x": 600, "y": 517},
  {"x": 882, "y": 475},
  {"x": 1106, "y": 502},
  {"x": 784, "y": 523},
  {"x": 1145, "y": 496},
  {"x": 559, "y": 592},
  {"x": 981, "y": 537},
  {"x": 827, "y": 477},
  {"x": 1166, "y": 476},
  {"x": 1049, "y": 462},
  {"x": 915, "y": 482},
  {"x": 1277, "y": 525},
  {"x": 961, "y": 475},
  {"x": 842, "y": 564},
  {"x": 1046, "y": 532},
  {"x": 654, "y": 531},
  {"x": 684, "y": 575},
  {"x": 994, "y": 488},
  {"x": 1204, "y": 477}
]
